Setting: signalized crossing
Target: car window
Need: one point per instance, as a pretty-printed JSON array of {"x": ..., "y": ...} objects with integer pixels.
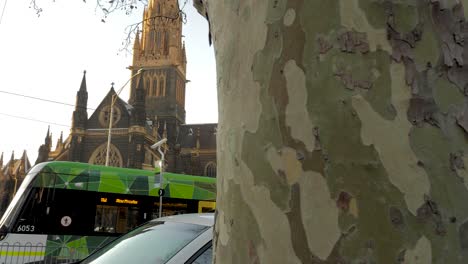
[
  {"x": 155, "y": 242},
  {"x": 206, "y": 257}
]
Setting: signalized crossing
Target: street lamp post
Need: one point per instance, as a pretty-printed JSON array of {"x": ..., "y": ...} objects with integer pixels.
[
  {"x": 111, "y": 116},
  {"x": 161, "y": 190}
]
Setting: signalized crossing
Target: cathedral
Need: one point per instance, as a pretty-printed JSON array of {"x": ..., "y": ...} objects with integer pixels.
[{"x": 155, "y": 110}]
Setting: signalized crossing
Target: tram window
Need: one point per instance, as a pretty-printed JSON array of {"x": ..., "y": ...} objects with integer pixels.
[
  {"x": 133, "y": 218},
  {"x": 31, "y": 218},
  {"x": 115, "y": 219},
  {"x": 70, "y": 212},
  {"x": 105, "y": 219}
]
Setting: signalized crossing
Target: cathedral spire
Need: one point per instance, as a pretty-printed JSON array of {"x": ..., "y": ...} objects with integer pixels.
[
  {"x": 59, "y": 141},
  {"x": 44, "y": 149},
  {"x": 151, "y": 6},
  {"x": 184, "y": 56},
  {"x": 25, "y": 161},
  {"x": 80, "y": 115},
  {"x": 11, "y": 164},
  {"x": 136, "y": 45},
  {"x": 48, "y": 138},
  {"x": 83, "y": 82}
]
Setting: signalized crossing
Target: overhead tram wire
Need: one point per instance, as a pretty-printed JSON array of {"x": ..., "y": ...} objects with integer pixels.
[
  {"x": 41, "y": 99},
  {"x": 35, "y": 120},
  {"x": 3, "y": 11}
]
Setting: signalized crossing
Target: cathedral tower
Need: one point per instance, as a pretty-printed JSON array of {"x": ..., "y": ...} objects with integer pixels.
[
  {"x": 79, "y": 122},
  {"x": 160, "y": 52}
]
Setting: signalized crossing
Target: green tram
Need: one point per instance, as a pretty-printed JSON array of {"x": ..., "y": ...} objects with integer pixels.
[{"x": 65, "y": 210}]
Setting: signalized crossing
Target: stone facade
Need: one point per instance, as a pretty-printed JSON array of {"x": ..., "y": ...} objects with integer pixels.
[{"x": 11, "y": 177}]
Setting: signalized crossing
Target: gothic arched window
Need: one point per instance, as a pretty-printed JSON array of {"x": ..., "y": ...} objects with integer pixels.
[
  {"x": 152, "y": 37},
  {"x": 162, "y": 85},
  {"x": 158, "y": 40},
  {"x": 158, "y": 85},
  {"x": 149, "y": 89},
  {"x": 148, "y": 86},
  {"x": 154, "y": 90},
  {"x": 99, "y": 156},
  {"x": 166, "y": 42},
  {"x": 210, "y": 169}
]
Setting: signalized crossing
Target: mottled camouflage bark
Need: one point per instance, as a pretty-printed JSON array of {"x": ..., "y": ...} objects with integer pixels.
[{"x": 342, "y": 133}]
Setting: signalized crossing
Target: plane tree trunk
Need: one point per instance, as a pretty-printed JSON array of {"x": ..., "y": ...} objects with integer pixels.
[{"x": 342, "y": 130}]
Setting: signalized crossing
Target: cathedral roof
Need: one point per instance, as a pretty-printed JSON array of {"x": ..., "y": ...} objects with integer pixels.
[
  {"x": 119, "y": 100},
  {"x": 201, "y": 136},
  {"x": 17, "y": 166},
  {"x": 118, "y": 103}
]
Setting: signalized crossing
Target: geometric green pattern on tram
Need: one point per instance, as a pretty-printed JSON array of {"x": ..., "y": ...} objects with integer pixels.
[
  {"x": 75, "y": 249},
  {"x": 112, "y": 182},
  {"x": 66, "y": 246},
  {"x": 179, "y": 188},
  {"x": 95, "y": 242},
  {"x": 199, "y": 192},
  {"x": 63, "y": 247},
  {"x": 89, "y": 177},
  {"x": 139, "y": 185}
]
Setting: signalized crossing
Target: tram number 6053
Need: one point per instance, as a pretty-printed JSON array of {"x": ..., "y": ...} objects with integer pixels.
[{"x": 25, "y": 228}]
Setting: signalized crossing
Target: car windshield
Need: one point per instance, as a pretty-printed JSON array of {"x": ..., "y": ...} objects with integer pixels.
[{"x": 154, "y": 242}]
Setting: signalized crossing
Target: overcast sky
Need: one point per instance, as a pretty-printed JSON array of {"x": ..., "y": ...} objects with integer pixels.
[{"x": 45, "y": 57}]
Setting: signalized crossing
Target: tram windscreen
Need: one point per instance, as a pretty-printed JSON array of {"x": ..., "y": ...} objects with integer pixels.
[{"x": 20, "y": 197}]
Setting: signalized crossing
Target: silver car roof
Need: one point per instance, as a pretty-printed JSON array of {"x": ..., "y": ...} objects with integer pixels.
[{"x": 205, "y": 219}]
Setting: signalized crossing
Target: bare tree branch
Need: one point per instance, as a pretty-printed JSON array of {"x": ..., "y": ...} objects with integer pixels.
[
  {"x": 104, "y": 6},
  {"x": 108, "y": 7},
  {"x": 131, "y": 30},
  {"x": 35, "y": 7},
  {"x": 112, "y": 6}
]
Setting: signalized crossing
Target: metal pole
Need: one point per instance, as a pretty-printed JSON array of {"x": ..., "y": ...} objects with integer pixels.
[
  {"x": 111, "y": 116},
  {"x": 110, "y": 130},
  {"x": 161, "y": 180}
]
